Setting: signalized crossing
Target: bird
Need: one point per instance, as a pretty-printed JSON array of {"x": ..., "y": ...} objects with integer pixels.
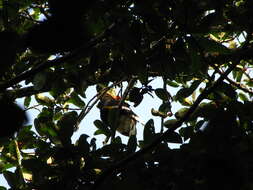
[{"x": 119, "y": 116}]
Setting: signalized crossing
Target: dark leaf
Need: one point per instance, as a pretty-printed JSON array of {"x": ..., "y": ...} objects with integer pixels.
[
  {"x": 162, "y": 94},
  {"x": 46, "y": 128},
  {"x": 174, "y": 138},
  {"x": 132, "y": 144},
  {"x": 212, "y": 46},
  {"x": 66, "y": 125},
  {"x": 11, "y": 179},
  {"x": 149, "y": 132},
  {"x": 181, "y": 113},
  {"x": 186, "y": 132},
  {"x": 205, "y": 110},
  {"x": 135, "y": 96},
  {"x": 165, "y": 107},
  {"x": 102, "y": 128},
  {"x": 185, "y": 92},
  {"x": 40, "y": 80}
]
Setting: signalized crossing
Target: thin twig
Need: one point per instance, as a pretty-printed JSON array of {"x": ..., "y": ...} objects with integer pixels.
[
  {"x": 33, "y": 107},
  {"x": 232, "y": 82},
  {"x": 74, "y": 109},
  {"x": 123, "y": 163},
  {"x": 88, "y": 107}
]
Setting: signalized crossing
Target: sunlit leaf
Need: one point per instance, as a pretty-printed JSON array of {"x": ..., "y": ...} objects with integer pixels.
[
  {"x": 172, "y": 84},
  {"x": 27, "y": 101},
  {"x": 243, "y": 97}
]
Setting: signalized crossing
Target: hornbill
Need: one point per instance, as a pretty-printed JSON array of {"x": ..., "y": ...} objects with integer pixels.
[{"x": 126, "y": 120}]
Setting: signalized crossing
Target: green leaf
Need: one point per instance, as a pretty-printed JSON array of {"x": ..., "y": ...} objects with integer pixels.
[
  {"x": 162, "y": 94},
  {"x": 44, "y": 100},
  {"x": 249, "y": 83},
  {"x": 181, "y": 113},
  {"x": 206, "y": 110},
  {"x": 27, "y": 101},
  {"x": 66, "y": 125},
  {"x": 158, "y": 113},
  {"x": 185, "y": 92},
  {"x": 40, "y": 80},
  {"x": 57, "y": 115},
  {"x": 186, "y": 102},
  {"x": 165, "y": 107},
  {"x": 76, "y": 100},
  {"x": 102, "y": 128},
  {"x": 45, "y": 128},
  {"x": 239, "y": 76},
  {"x": 2, "y": 188},
  {"x": 243, "y": 97},
  {"x": 172, "y": 84},
  {"x": 100, "y": 132},
  {"x": 170, "y": 123},
  {"x": 5, "y": 165}
]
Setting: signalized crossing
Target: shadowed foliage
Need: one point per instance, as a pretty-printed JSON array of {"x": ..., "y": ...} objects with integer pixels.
[{"x": 53, "y": 51}]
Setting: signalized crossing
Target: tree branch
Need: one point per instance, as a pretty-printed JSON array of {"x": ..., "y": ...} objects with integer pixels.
[
  {"x": 123, "y": 163},
  {"x": 233, "y": 82},
  {"x": 23, "y": 92},
  {"x": 80, "y": 52}
]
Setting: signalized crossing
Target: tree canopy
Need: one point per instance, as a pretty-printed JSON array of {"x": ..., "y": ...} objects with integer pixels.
[{"x": 54, "y": 51}]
